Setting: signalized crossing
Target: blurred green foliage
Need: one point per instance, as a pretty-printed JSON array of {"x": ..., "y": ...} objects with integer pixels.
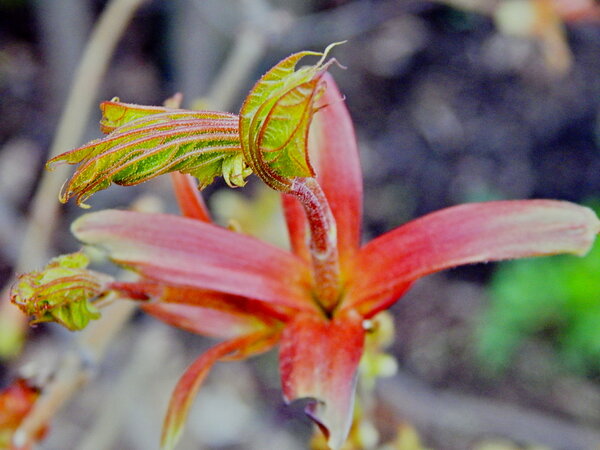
[{"x": 556, "y": 299}]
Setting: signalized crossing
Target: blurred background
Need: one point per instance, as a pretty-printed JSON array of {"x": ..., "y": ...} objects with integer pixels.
[{"x": 453, "y": 100}]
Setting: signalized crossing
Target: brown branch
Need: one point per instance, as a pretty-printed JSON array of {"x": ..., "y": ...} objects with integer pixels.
[
  {"x": 477, "y": 417},
  {"x": 74, "y": 371}
]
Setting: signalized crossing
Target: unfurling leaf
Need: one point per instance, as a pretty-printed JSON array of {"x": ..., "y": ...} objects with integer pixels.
[
  {"x": 275, "y": 118},
  {"x": 145, "y": 142},
  {"x": 63, "y": 292}
]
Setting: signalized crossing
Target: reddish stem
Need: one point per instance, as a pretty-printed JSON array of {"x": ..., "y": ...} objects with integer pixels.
[{"x": 323, "y": 241}]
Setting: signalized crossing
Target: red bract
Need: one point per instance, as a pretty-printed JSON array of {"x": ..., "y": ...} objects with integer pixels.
[{"x": 219, "y": 283}]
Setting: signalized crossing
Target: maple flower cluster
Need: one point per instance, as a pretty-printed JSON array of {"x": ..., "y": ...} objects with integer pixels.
[{"x": 316, "y": 300}]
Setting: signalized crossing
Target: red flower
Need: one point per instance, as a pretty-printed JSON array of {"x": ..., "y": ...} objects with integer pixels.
[{"x": 215, "y": 282}]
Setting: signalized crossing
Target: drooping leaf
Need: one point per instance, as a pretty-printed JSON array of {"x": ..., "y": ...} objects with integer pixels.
[
  {"x": 194, "y": 376},
  {"x": 149, "y": 141},
  {"x": 275, "y": 118},
  {"x": 62, "y": 292}
]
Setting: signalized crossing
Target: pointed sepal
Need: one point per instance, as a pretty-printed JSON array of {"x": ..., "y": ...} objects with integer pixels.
[
  {"x": 467, "y": 234},
  {"x": 194, "y": 376},
  {"x": 319, "y": 360},
  {"x": 201, "y": 311},
  {"x": 189, "y": 199}
]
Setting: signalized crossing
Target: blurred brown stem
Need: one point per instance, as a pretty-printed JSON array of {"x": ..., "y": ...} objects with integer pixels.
[
  {"x": 477, "y": 418},
  {"x": 44, "y": 206},
  {"x": 74, "y": 371}
]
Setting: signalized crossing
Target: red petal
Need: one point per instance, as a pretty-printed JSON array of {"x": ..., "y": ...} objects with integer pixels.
[
  {"x": 334, "y": 154},
  {"x": 319, "y": 360},
  {"x": 185, "y": 252},
  {"x": 188, "y": 197},
  {"x": 466, "y": 234},
  {"x": 211, "y": 313},
  {"x": 192, "y": 379},
  {"x": 204, "y": 321}
]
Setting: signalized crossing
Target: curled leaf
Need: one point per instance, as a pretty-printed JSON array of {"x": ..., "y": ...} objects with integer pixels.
[
  {"x": 62, "y": 292},
  {"x": 275, "y": 118},
  {"x": 145, "y": 142}
]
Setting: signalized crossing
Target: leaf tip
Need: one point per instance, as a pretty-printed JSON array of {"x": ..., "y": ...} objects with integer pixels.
[{"x": 328, "y": 50}]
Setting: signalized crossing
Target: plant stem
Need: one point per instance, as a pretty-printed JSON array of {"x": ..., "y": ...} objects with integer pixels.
[{"x": 323, "y": 241}]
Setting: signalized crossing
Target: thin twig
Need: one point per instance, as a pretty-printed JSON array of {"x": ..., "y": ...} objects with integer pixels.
[
  {"x": 74, "y": 371},
  {"x": 475, "y": 417},
  {"x": 249, "y": 47}
]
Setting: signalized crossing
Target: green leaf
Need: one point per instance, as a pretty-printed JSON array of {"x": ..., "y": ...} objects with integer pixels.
[
  {"x": 149, "y": 141},
  {"x": 116, "y": 114},
  {"x": 275, "y": 118},
  {"x": 62, "y": 292},
  {"x": 551, "y": 299}
]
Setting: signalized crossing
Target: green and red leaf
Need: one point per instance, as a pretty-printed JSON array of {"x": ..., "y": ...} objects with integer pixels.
[
  {"x": 151, "y": 141},
  {"x": 62, "y": 292},
  {"x": 194, "y": 376},
  {"x": 466, "y": 234},
  {"x": 180, "y": 251},
  {"x": 116, "y": 114},
  {"x": 275, "y": 118},
  {"x": 319, "y": 360}
]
